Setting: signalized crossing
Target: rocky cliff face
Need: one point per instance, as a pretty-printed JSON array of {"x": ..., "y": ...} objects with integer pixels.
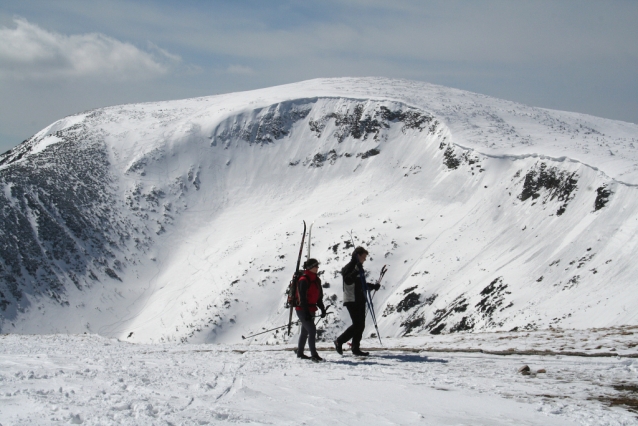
[{"x": 56, "y": 213}]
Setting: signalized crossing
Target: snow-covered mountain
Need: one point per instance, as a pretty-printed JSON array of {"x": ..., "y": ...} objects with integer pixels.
[{"x": 182, "y": 220}]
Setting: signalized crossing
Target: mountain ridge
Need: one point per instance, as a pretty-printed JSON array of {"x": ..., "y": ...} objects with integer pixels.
[{"x": 183, "y": 175}]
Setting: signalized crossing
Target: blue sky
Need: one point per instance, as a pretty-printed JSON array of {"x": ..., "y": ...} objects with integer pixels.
[{"x": 65, "y": 56}]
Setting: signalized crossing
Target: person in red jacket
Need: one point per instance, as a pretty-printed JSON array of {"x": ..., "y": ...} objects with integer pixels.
[{"x": 310, "y": 296}]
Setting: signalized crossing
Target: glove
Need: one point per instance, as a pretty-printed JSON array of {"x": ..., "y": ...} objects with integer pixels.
[
  {"x": 308, "y": 316},
  {"x": 323, "y": 313},
  {"x": 375, "y": 287}
]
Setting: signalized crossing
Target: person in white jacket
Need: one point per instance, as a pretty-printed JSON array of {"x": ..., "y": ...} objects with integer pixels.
[{"x": 354, "y": 299}]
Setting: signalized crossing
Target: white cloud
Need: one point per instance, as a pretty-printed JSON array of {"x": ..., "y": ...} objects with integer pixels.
[{"x": 30, "y": 52}]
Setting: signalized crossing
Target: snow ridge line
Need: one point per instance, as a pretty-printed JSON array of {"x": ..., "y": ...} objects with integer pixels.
[
  {"x": 560, "y": 159},
  {"x": 436, "y": 116},
  {"x": 441, "y": 119}
]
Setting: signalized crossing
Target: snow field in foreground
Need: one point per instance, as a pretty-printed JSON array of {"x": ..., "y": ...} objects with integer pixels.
[{"x": 89, "y": 379}]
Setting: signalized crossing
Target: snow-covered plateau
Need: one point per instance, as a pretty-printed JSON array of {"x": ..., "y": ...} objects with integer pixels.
[
  {"x": 140, "y": 228},
  {"x": 93, "y": 380}
]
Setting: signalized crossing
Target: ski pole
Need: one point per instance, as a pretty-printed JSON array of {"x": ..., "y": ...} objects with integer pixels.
[
  {"x": 272, "y": 329},
  {"x": 374, "y": 319},
  {"x": 319, "y": 316},
  {"x": 277, "y": 328},
  {"x": 369, "y": 303}
]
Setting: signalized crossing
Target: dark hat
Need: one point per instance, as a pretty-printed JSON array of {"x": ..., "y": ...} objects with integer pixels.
[
  {"x": 360, "y": 250},
  {"x": 310, "y": 263}
]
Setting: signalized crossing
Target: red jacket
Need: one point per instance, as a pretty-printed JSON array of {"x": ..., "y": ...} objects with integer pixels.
[{"x": 309, "y": 291}]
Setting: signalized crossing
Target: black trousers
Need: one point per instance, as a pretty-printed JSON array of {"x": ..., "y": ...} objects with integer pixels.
[{"x": 357, "y": 313}]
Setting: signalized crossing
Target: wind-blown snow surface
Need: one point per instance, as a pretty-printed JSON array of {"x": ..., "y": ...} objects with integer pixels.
[{"x": 180, "y": 221}]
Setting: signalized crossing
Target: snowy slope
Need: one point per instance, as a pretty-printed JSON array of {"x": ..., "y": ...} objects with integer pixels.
[
  {"x": 93, "y": 380},
  {"x": 180, "y": 221}
]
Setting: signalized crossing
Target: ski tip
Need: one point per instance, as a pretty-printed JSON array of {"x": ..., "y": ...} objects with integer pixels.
[{"x": 243, "y": 337}]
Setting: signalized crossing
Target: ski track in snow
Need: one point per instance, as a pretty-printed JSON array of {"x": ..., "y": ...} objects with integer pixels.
[{"x": 88, "y": 379}]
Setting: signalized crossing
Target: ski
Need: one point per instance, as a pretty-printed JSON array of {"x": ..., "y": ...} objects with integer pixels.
[
  {"x": 292, "y": 288},
  {"x": 309, "y": 239},
  {"x": 352, "y": 239},
  {"x": 383, "y": 271}
]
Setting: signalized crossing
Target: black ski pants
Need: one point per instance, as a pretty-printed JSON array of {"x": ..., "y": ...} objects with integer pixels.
[
  {"x": 308, "y": 332},
  {"x": 357, "y": 313}
]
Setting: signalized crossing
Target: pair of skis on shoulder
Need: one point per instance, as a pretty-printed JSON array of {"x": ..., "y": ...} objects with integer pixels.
[{"x": 293, "y": 286}]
